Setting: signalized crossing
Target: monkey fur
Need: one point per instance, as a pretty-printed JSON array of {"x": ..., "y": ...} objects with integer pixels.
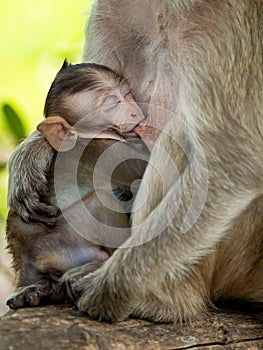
[
  {"x": 199, "y": 61},
  {"x": 41, "y": 253}
]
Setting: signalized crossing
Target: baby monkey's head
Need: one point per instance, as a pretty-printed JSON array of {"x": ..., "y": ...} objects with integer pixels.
[{"x": 90, "y": 101}]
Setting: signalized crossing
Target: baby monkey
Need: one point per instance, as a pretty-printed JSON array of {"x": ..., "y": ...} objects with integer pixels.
[{"x": 88, "y": 109}]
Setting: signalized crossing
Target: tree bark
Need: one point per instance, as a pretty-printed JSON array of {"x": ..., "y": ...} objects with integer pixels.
[{"x": 62, "y": 327}]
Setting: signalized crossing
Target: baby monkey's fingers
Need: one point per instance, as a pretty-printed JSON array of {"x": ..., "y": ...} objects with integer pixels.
[
  {"x": 35, "y": 210},
  {"x": 43, "y": 213},
  {"x": 27, "y": 198}
]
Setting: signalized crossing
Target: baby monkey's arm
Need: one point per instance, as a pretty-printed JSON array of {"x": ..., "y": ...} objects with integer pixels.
[{"x": 28, "y": 167}]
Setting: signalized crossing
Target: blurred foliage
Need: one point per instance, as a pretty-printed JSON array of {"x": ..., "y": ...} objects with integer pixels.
[
  {"x": 14, "y": 122},
  {"x": 36, "y": 37}
]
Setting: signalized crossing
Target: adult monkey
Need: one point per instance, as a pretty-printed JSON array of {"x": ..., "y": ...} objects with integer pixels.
[{"x": 202, "y": 59}]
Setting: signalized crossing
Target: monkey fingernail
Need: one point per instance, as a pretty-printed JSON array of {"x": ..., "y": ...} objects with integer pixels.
[
  {"x": 10, "y": 303},
  {"x": 14, "y": 303},
  {"x": 33, "y": 300},
  {"x": 50, "y": 224}
]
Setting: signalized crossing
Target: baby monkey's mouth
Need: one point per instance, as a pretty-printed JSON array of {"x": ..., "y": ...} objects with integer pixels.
[
  {"x": 125, "y": 134},
  {"x": 127, "y": 131},
  {"x": 131, "y": 134}
]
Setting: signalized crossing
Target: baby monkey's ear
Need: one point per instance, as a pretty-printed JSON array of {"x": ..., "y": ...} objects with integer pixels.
[{"x": 60, "y": 135}]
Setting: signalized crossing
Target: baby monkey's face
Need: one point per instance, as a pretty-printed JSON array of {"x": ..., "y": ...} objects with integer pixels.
[
  {"x": 113, "y": 109},
  {"x": 89, "y": 101},
  {"x": 109, "y": 113}
]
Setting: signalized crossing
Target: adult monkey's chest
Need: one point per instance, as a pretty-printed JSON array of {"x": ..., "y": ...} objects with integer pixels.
[
  {"x": 137, "y": 37},
  {"x": 133, "y": 38}
]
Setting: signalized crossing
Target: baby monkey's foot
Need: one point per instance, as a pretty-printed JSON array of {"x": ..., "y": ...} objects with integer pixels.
[{"x": 43, "y": 292}]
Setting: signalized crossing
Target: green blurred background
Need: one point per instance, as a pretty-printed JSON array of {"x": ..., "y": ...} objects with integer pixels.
[{"x": 35, "y": 37}]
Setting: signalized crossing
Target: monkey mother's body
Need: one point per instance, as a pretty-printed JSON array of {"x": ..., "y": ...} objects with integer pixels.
[
  {"x": 205, "y": 63},
  {"x": 202, "y": 59}
]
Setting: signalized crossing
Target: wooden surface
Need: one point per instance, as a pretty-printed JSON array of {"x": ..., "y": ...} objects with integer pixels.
[{"x": 62, "y": 327}]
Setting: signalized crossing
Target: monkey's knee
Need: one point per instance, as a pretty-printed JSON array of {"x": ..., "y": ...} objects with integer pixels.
[
  {"x": 180, "y": 310},
  {"x": 184, "y": 301},
  {"x": 245, "y": 292},
  {"x": 155, "y": 311}
]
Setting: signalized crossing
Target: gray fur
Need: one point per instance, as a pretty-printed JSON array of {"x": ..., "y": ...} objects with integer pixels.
[{"x": 203, "y": 61}]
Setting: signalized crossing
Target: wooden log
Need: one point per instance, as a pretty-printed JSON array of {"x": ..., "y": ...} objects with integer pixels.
[{"x": 62, "y": 327}]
